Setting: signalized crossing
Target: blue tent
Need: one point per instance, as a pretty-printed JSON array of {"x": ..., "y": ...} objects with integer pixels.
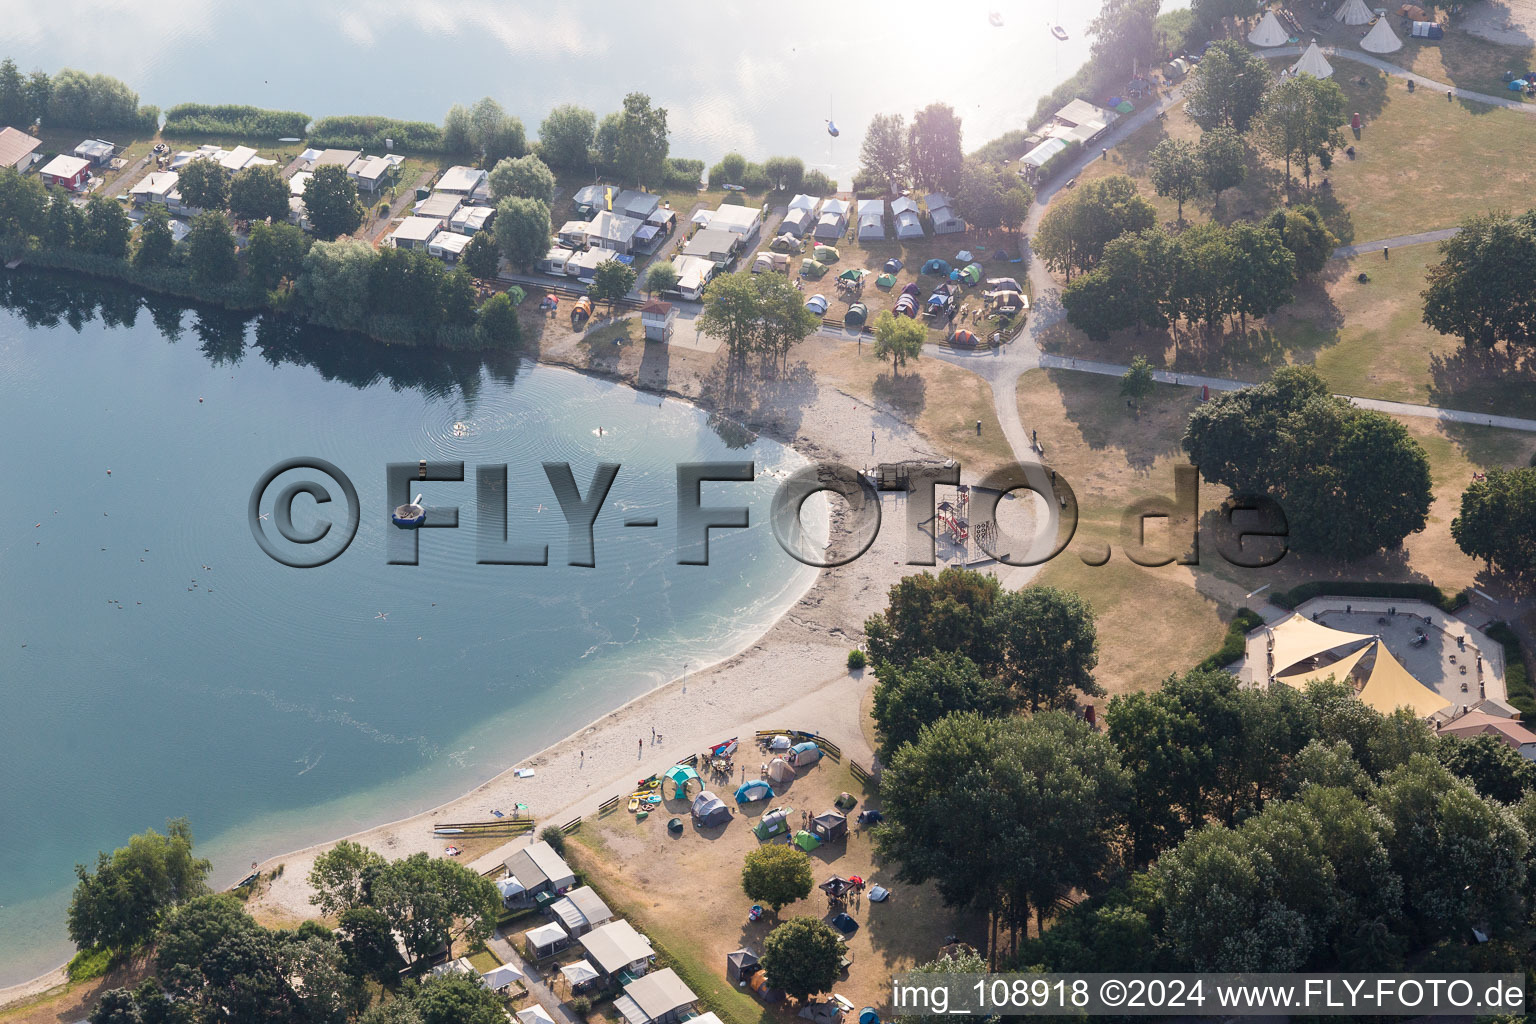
[
  {"x": 804, "y": 753},
  {"x": 756, "y": 789},
  {"x": 869, "y": 1016},
  {"x": 936, "y": 266},
  {"x": 892, "y": 265}
]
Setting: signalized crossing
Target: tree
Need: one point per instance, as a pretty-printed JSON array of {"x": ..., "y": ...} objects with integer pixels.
[
  {"x": 342, "y": 877},
  {"x": 13, "y": 95},
  {"x": 155, "y": 240},
  {"x": 107, "y": 230},
  {"x": 330, "y": 200},
  {"x": 1124, "y": 36},
  {"x": 522, "y": 231},
  {"x": 1262, "y": 273},
  {"x": 525, "y": 176},
  {"x": 1494, "y": 768},
  {"x": 632, "y": 143},
  {"x": 498, "y": 325},
  {"x": 39, "y": 90},
  {"x": 1223, "y": 157},
  {"x": 333, "y": 286},
  {"x": 481, "y": 257},
  {"x": 661, "y": 277},
  {"x": 1137, "y": 383},
  {"x": 497, "y": 134},
  {"x": 204, "y": 185},
  {"x": 121, "y": 902},
  {"x": 926, "y": 614},
  {"x": 23, "y": 206},
  {"x": 1076, "y": 228},
  {"x": 611, "y": 281},
  {"x": 276, "y": 253},
  {"x": 555, "y": 838},
  {"x": 458, "y": 130},
  {"x": 1200, "y": 284},
  {"x": 731, "y": 170},
  {"x": 803, "y": 957},
  {"x": 1326, "y": 462},
  {"x": 1304, "y": 233},
  {"x": 368, "y": 944},
  {"x": 1300, "y": 119},
  {"x": 785, "y": 173},
  {"x": 935, "y": 154},
  {"x": 784, "y": 321},
  {"x": 1049, "y": 645},
  {"x": 909, "y": 697},
  {"x": 1175, "y": 171},
  {"x": 430, "y": 902},
  {"x": 1498, "y": 521},
  {"x": 259, "y": 193},
  {"x": 1477, "y": 291},
  {"x": 458, "y": 999},
  {"x": 211, "y": 249},
  {"x": 63, "y": 223},
  {"x": 990, "y": 197},
  {"x": 731, "y": 313},
  {"x": 898, "y": 338},
  {"x": 565, "y": 137},
  {"x": 776, "y": 875},
  {"x": 1228, "y": 87},
  {"x": 883, "y": 156}
]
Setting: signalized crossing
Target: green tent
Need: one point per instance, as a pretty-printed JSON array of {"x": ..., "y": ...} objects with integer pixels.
[
  {"x": 810, "y": 268},
  {"x": 856, "y": 315},
  {"x": 850, "y": 275},
  {"x": 971, "y": 274},
  {"x": 680, "y": 775},
  {"x": 886, "y": 281},
  {"x": 826, "y": 254},
  {"x": 806, "y": 841},
  {"x": 774, "y": 823},
  {"x": 517, "y": 295}
]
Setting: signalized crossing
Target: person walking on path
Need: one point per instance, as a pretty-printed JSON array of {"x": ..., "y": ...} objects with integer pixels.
[
  {"x": 640, "y": 749},
  {"x": 1386, "y": 252}
]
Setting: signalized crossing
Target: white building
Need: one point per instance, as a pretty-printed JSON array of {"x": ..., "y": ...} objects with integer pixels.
[
  {"x": 467, "y": 220},
  {"x": 446, "y": 245},
  {"x": 415, "y": 232},
  {"x": 460, "y": 180},
  {"x": 745, "y": 221},
  {"x": 904, "y": 213},
  {"x": 154, "y": 187},
  {"x": 872, "y": 220}
]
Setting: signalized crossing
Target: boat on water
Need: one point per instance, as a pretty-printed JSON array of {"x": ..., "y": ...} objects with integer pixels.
[
  {"x": 832, "y": 128},
  {"x": 734, "y": 188},
  {"x": 1059, "y": 32},
  {"x": 410, "y": 515}
]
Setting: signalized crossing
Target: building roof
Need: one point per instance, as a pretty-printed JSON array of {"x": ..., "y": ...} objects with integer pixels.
[
  {"x": 903, "y": 204},
  {"x": 416, "y": 229},
  {"x": 655, "y": 308},
  {"x": 156, "y": 183},
  {"x": 581, "y": 908},
  {"x": 804, "y": 202},
  {"x": 692, "y": 271},
  {"x": 449, "y": 242},
  {"x": 1479, "y": 723},
  {"x": 589, "y": 195},
  {"x": 440, "y": 205},
  {"x": 635, "y": 204},
  {"x": 546, "y": 934},
  {"x": 835, "y": 206},
  {"x": 1080, "y": 112},
  {"x": 15, "y": 146},
  {"x": 343, "y": 157},
  {"x": 299, "y": 182},
  {"x": 370, "y": 168},
  {"x": 1313, "y": 63},
  {"x": 95, "y": 149},
  {"x": 538, "y": 863},
  {"x": 1037, "y": 157},
  {"x": 460, "y": 179},
  {"x": 871, "y": 212},
  {"x": 237, "y": 158},
  {"x": 659, "y": 993},
  {"x": 1381, "y": 38},
  {"x": 741, "y": 220},
  {"x": 1269, "y": 32},
  {"x": 64, "y": 166},
  {"x": 1391, "y": 686},
  {"x": 1299, "y": 638},
  {"x": 710, "y": 241},
  {"x": 613, "y": 227},
  {"x": 474, "y": 218},
  {"x": 616, "y": 945}
]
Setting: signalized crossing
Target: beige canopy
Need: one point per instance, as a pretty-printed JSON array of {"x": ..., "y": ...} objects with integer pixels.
[
  {"x": 1269, "y": 32},
  {"x": 1391, "y": 687},
  {"x": 1299, "y": 638},
  {"x": 1339, "y": 670},
  {"x": 1313, "y": 63},
  {"x": 1354, "y": 12},
  {"x": 1381, "y": 39}
]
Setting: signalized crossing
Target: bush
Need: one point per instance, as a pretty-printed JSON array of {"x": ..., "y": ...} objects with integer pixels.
[
  {"x": 855, "y": 660},
  {"x": 683, "y": 173},
  {"x": 232, "y": 119},
  {"x": 1517, "y": 681},
  {"x": 580, "y": 1006},
  {"x": 552, "y": 835},
  {"x": 89, "y": 963},
  {"x": 1236, "y": 641},
  {"x": 1427, "y": 592},
  {"x": 366, "y": 131},
  {"x": 818, "y": 183}
]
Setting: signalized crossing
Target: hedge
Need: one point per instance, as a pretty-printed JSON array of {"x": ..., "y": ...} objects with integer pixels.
[
  {"x": 367, "y": 131},
  {"x": 231, "y": 119},
  {"x": 1236, "y": 643},
  {"x": 1426, "y": 592},
  {"x": 683, "y": 172},
  {"x": 1517, "y": 679}
]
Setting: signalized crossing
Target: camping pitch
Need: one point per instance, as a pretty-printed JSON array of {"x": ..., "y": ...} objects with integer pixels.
[{"x": 1269, "y": 32}]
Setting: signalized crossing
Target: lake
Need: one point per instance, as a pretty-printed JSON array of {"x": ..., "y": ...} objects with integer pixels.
[
  {"x": 757, "y": 79},
  {"x": 155, "y": 663}
]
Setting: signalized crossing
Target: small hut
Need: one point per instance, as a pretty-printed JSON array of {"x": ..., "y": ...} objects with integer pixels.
[
  {"x": 829, "y": 826},
  {"x": 740, "y": 965}
]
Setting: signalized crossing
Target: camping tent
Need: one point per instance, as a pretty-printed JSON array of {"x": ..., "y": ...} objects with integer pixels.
[
  {"x": 1354, "y": 12},
  {"x": 851, "y": 274},
  {"x": 936, "y": 266},
  {"x": 1299, "y": 638},
  {"x": 906, "y": 305},
  {"x": 500, "y": 977},
  {"x": 709, "y": 810},
  {"x": 826, "y": 254},
  {"x": 810, "y": 268},
  {"x": 740, "y": 965},
  {"x": 775, "y": 822},
  {"x": 1003, "y": 284},
  {"x": 804, "y": 202},
  {"x": 969, "y": 274},
  {"x": 803, "y": 754},
  {"x": 753, "y": 790},
  {"x": 963, "y": 339},
  {"x": 1313, "y": 63},
  {"x": 1007, "y": 302},
  {"x": 892, "y": 265},
  {"x": 784, "y": 243},
  {"x": 509, "y": 887},
  {"x": 780, "y": 770},
  {"x": 779, "y": 742},
  {"x": 885, "y": 281},
  {"x": 829, "y": 825},
  {"x": 1427, "y": 30},
  {"x": 806, "y": 841},
  {"x": 680, "y": 775},
  {"x": 1269, "y": 32},
  {"x": 816, "y": 304},
  {"x": 857, "y": 314},
  {"x": 837, "y": 886}
]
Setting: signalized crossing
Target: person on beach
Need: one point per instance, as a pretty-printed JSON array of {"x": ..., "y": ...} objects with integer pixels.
[{"x": 639, "y": 748}]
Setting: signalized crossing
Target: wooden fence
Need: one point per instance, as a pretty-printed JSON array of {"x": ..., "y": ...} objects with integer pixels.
[
  {"x": 859, "y": 772},
  {"x": 610, "y": 805},
  {"x": 572, "y": 825}
]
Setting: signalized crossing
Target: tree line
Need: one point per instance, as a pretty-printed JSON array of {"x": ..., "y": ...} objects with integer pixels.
[
  {"x": 1209, "y": 827},
  {"x": 71, "y": 99}
]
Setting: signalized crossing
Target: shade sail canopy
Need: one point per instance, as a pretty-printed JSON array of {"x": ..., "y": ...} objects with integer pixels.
[
  {"x": 1269, "y": 32},
  {"x": 1299, "y": 638},
  {"x": 1391, "y": 686},
  {"x": 1339, "y": 670}
]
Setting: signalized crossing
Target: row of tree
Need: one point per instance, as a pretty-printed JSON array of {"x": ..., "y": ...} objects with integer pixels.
[
  {"x": 927, "y": 153},
  {"x": 781, "y": 173},
  {"x": 756, "y": 314},
  {"x": 1213, "y": 827},
  {"x": 71, "y": 99},
  {"x": 630, "y": 143}
]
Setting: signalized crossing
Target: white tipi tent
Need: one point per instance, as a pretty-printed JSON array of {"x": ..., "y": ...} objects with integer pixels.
[
  {"x": 1354, "y": 12},
  {"x": 1269, "y": 32},
  {"x": 1381, "y": 39},
  {"x": 1313, "y": 63}
]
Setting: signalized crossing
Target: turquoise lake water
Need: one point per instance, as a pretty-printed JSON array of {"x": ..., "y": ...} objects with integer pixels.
[{"x": 155, "y": 663}]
